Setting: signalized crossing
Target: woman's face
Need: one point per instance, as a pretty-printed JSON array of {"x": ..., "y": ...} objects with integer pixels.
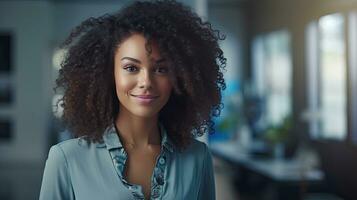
[{"x": 141, "y": 79}]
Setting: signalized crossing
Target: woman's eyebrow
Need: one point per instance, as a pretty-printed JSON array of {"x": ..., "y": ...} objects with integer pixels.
[
  {"x": 160, "y": 60},
  {"x": 132, "y": 59}
]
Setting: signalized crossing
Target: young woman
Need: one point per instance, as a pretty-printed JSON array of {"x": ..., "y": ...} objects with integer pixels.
[{"x": 139, "y": 86}]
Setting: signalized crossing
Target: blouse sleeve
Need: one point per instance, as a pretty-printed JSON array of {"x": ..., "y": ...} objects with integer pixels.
[
  {"x": 207, "y": 190},
  {"x": 56, "y": 181}
]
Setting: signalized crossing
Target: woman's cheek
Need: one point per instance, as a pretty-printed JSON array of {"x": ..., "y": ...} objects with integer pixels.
[{"x": 124, "y": 84}]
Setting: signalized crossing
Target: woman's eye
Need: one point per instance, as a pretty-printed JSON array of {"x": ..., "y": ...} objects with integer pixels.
[
  {"x": 131, "y": 68},
  {"x": 161, "y": 70}
]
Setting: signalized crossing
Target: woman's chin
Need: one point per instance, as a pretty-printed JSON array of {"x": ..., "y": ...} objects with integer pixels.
[{"x": 145, "y": 113}]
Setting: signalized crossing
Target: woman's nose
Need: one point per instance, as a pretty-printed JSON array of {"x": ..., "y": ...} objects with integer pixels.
[{"x": 145, "y": 80}]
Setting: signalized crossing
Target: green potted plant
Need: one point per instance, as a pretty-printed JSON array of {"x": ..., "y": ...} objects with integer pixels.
[{"x": 278, "y": 136}]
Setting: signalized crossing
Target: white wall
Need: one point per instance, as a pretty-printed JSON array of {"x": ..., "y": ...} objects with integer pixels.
[
  {"x": 31, "y": 22},
  {"x": 68, "y": 15},
  {"x": 230, "y": 20}
]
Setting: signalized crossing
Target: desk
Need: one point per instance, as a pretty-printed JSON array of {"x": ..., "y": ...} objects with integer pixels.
[{"x": 279, "y": 173}]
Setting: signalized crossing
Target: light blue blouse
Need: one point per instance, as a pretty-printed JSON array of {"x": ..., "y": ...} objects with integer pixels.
[{"x": 79, "y": 170}]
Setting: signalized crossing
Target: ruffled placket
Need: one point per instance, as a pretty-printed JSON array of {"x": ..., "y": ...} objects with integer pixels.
[{"x": 119, "y": 157}]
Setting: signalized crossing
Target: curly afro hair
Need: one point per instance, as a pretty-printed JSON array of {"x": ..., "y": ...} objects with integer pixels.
[{"x": 196, "y": 63}]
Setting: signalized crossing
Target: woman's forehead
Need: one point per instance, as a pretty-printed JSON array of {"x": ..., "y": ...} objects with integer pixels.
[{"x": 137, "y": 46}]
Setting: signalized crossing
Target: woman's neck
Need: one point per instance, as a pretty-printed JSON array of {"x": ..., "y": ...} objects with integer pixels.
[{"x": 137, "y": 131}]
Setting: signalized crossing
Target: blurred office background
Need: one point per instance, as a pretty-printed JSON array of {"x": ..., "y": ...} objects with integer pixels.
[{"x": 288, "y": 129}]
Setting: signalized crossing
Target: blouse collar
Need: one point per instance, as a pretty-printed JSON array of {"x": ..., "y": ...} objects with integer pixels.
[{"x": 111, "y": 139}]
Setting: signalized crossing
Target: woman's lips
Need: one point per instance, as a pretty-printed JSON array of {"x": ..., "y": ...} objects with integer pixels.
[{"x": 145, "y": 99}]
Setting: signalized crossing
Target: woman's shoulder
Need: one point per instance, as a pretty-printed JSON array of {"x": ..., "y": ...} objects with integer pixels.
[
  {"x": 197, "y": 150},
  {"x": 197, "y": 146},
  {"x": 76, "y": 148},
  {"x": 72, "y": 145},
  {"x": 195, "y": 156}
]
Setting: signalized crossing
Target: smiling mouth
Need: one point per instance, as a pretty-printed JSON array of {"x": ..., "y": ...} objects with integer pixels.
[
  {"x": 145, "y": 96},
  {"x": 145, "y": 99}
]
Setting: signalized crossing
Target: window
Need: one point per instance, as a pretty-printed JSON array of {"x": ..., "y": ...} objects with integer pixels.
[
  {"x": 352, "y": 72},
  {"x": 326, "y": 68},
  {"x": 272, "y": 75}
]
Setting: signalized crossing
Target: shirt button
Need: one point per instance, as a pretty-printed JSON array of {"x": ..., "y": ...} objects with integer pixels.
[
  {"x": 162, "y": 161},
  {"x": 155, "y": 193},
  {"x": 160, "y": 180}
]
